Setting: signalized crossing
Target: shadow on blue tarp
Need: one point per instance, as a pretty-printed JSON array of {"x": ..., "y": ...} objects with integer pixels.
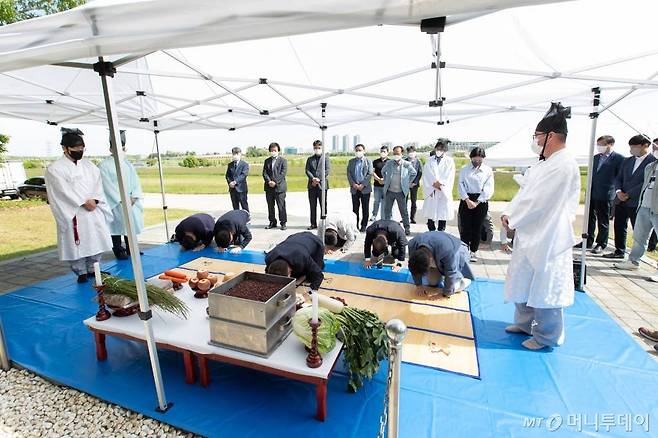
[{"x": 599, "y": 371}]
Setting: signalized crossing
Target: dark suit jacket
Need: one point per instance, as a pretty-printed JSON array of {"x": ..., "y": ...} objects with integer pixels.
[
  {"x": 366, "y": 175},
  {"x": 236, "y": 222},
  {"x": 418, "y": 165},
  {"x": 603, "y": 180},
  {"x": 201, "y": 224},
  {"x": 278, "y": 174},
  {"x": 305, "y": 253},
  {"x": 394, "y": 235},
  {"x": 238, "y": 172},
  {"x": 630, "y": 182},
  {"x": 313, "y": 169}
]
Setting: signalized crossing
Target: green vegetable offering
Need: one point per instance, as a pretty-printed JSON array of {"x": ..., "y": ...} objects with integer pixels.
[{"x": 326, "y": 331}]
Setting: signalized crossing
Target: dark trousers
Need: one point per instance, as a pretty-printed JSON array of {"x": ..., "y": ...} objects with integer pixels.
[
  {"x": 431, "y": 225},
  {"x": 471, "y": 224},
  {"x": 239, "y": 200},
  {"x": 361, "y": 201},
  {"x": 599, "y": 216},
  {"x": 272, "y": 197},
  {"x": 116, "y": 242},
  {"x": 314, "y": 200},
  {"x": 622, "y": 215},
  {"x": 413, "y": 195}
]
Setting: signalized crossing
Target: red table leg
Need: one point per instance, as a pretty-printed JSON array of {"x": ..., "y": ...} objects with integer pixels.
[
  {"x": 190, "y": 378},
  {"x": 321, "y": 400},
  {"x": 204, "y": 375},
  {"x": 101, "y": 351}
]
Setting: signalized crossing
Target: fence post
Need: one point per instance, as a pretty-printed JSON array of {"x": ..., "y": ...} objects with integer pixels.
[{"x": 396, "y": 331}]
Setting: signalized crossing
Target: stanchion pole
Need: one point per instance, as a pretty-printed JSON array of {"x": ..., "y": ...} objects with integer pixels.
[{"x": 396, "y": 331}]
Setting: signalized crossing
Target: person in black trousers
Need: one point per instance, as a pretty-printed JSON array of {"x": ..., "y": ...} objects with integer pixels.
[
  {"x": 359, "y": 175},
  {"x": 236, "y": 178},
  {"x": 314, "y": 186},
  {"x": 415, "y": 184},
  {"x": 628, "y": 187},
  {"x": 275, "y": 169}
]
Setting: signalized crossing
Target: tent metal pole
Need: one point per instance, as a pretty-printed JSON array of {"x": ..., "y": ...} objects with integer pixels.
[
  {"x": 588, "y": 192},
  {"x": 323, "y": 176},
  {"x": 156, "y": 131},
  {"x": 106, "y": 71},
  {"x": 625, "y": 95}
]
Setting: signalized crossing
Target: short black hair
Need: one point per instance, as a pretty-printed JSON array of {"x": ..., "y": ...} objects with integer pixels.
[
  {"x": 442, "y": 142},
  {"x": 478, "y": 152},
  {"x": 330, "y": 238},
  {"x": 398, "y": 147},
  {"x": 236, "y": 150},
  {"x": 655, "y": 140},
  {"x": 419, "y": 262},
  {"x": 359, "y": 146},
  {"x": 278, "y": 267},
  {"x": 379, "y": 245},
  {"x": 188, "y": 242},
  {"x": 223, "y": 238},
  {"x": 317, "y": 143},
  {"x": 639, "y": 139},
  {"x": 606, "y": 139},
  {"x": 274, "y": 145},
  {"x": 411, "y": 149},
  {"x": 383, "y": 148}
]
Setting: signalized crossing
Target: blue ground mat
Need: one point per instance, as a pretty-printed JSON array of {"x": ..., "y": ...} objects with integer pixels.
[{"x": 596, "y": 383}]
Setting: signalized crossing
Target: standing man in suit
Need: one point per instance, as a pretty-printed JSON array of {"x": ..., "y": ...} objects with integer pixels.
[
  {"x": 415, "y": 184},
  {"x": 606, "y": 168},
  {"x": 398, "y": 175},
  {"x": 236, "y": 177},
  {"x": 628, "y": 188},
  {"x": 378, "y": 186},
  {"x": 274, "y": 175},
  {"x": 314, "y": 186},
  {"x": 359, "y": 172}
]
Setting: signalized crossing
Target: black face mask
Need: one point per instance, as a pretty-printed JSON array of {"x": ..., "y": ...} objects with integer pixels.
[{"x": 76, "y": 155}]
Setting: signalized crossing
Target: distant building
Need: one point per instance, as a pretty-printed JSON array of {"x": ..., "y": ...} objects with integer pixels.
[
  {"x": 357, "y": 139},
  {"x": 334, "y": 143},
  {"x": 346, "y": 143},
  {"x": 290, "y": 151}
]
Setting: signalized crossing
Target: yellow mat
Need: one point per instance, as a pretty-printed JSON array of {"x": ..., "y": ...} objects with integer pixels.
[{"x": 440, "y": 332}]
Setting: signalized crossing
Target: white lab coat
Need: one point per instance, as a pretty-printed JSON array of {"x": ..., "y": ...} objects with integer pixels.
[
  {"x": 540, "y": 272},
  {"x": 68, "y": 186},
  {"x": 345, "y": 226},
  {"x": 437, "y": 204},
  {"x": 111, "y": 189}
]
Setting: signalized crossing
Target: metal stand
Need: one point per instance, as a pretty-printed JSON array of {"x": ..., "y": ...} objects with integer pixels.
[
  {"x": 396, "y": 331},
  {"x": 323, "y": 178},
  {"x": 106, "y": 70},
  {"x": 156, "y": 131},
  {"x": 314, "y": 360},
  {"x": 102, "y": 314}
]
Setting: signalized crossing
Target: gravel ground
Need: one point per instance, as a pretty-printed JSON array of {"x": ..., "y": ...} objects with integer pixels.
[{"x": 33, "y": 407}]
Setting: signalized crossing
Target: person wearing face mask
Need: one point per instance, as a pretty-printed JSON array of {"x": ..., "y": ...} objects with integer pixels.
[
  {"x": 236, "y": 178},
  {"x": 438, "y": 180},
  {"x": 314, "y": 186},
  {"x": 275, "y": 169},
  {"x": 359, "y": 172},
  {"x": 475, "y": 187},
  {"x": 398, "y": 175},
  {"x": 628, "y": 187},
  {"x": 111, "y": 190},
  {"x": 646, "y": 216},
  {"x": 77, "y": 201},
  {"x": 415, "y": 184},
  {"x": 378, "y": 186},
  {"x": 539, "y": 277},
  {"x": 606, "y": 168}
]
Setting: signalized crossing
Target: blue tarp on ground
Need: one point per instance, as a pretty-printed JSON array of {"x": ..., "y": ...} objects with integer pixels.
[{"x": 598, "y": 375}]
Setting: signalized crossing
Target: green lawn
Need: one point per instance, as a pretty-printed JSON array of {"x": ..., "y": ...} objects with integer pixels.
[{"x": 28, "y": 226}]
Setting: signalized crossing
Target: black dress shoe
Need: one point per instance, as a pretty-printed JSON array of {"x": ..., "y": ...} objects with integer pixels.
[
  {"x": 120, "y": 253},
  {"x": 283, "y": 228},
  {"x": 598, "y": 249},
  {"x": 407, "y": 232},
  {"x": 614, "y": 255},
  {"x": 413, "y": 221},
  {"x": 82, "y": 278},
  {"x": 580, "y": 245},
  {"x": 270, "y": 226},
  {"x": 312, "y": 227},
  {"x": 362, "y": 229}
]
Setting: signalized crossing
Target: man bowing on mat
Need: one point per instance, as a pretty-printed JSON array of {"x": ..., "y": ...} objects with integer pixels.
[{"x": 540, "y": 274}]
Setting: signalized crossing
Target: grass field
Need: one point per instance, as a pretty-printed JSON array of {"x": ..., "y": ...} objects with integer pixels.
[{"x": 28, "y": 226}]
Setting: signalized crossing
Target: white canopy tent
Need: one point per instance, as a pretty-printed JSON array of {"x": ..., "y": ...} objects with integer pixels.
[{"x": 234, "y": 102}]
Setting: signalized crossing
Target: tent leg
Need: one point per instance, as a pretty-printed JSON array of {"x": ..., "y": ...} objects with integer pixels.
[
  {"x": 106, "y": 70},
  {"x": 588, "y": 190},
  {"x": 156, "y": 131},
  {"x": 323, "y": 178}
]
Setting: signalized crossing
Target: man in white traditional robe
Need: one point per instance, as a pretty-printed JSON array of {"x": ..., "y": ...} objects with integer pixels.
[
  {"x": 75, "y": 196},
  {"x": 540, "y": 274},
  {"x": 111, "y": 188},
  {"x": 438, "y": 181}
]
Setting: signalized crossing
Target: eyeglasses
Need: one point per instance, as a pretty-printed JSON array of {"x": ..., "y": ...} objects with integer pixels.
[{"x": 534, "y": 136}]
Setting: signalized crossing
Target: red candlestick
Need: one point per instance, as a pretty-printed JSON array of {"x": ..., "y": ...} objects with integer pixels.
[
  {"x": 314, "y": 360},
  {"x": 102, "y": 313}
]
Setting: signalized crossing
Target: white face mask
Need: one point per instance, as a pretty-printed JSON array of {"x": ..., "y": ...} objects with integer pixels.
[
  {"x": 412, "y": 155},
  {"x": 601, "y": 149},
  {"x": 236, "y": 157},
  {"x": 383, "y": 154},
  {"x": 274, "y": 154},
  {"x": 439, "y": 153},
  {"x": 359, "y": 154},
  {"x": 397, "y": 157},
  {"x": 535, "y": 147},
  {"x": 655, "y": 153},
  {"x": 317, "y": 151}
]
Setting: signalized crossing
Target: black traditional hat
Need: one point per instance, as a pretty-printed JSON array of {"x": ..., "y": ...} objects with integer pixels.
[
  {"x": 71, "y": 137},
  {"x": 555, "y": 119}
]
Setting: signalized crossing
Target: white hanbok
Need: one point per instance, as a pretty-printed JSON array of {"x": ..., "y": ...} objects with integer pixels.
[
  {"x": 80, "y": 233},
  {"x": 437, "y": 204},
  {"x": 540, "y": 272},
  {"x": 111, "y": 188}
]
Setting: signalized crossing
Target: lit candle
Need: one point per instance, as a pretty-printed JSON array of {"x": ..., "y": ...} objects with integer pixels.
[
  {"x": 314, "y": 301},
  {"x": 97, "y": 273}
]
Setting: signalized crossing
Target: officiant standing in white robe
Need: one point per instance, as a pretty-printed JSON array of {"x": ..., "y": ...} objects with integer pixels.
[
  {"x": 438, "y": 181},
  {"x": 540, "y": 274},
  {"x": 111, "y": 190},
  {"x": 75, "y": 196}
]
